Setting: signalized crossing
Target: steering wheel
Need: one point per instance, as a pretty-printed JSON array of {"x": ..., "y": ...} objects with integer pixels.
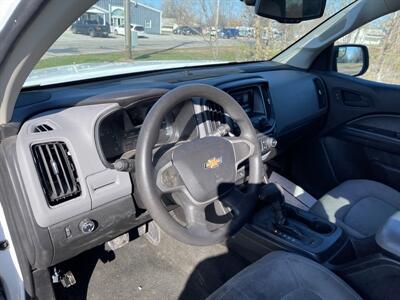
[{"x": 200, "y": 172}]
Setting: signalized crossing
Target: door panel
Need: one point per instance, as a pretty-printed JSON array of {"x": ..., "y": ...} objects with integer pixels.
[
  {"x": 362, "y": 132},
  {"x": 352, "y": 98}
]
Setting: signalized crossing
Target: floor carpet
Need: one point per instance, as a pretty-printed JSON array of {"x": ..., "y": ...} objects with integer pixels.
[{"x": 140, "y": 270}]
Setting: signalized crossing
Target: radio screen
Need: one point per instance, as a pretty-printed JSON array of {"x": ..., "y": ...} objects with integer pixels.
[{"x": 252, "y": 101}]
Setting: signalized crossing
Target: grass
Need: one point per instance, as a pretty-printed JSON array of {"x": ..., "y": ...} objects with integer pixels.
[
  {"x": 79, "y": 59},
  {"x": 223, "y": 54}
]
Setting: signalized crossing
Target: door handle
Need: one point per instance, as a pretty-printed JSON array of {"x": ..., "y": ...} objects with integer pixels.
[{"x": 354, "y": 99}]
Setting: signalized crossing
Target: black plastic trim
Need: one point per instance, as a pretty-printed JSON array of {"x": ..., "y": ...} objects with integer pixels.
[{"x": 97, "y": 136}]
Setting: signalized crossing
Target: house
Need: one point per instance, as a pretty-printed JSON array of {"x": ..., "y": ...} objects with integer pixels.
[{"x": 141, "y": 14}]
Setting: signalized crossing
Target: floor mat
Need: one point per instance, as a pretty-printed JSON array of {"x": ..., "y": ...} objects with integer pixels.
[{"x": 141, "y": 270}]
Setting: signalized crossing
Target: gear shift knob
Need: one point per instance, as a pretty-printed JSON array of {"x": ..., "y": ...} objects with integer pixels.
[{"x": 272, "y": 195}]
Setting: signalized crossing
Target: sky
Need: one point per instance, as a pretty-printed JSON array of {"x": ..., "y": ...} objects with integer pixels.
[{"x": 153, "y": 3}]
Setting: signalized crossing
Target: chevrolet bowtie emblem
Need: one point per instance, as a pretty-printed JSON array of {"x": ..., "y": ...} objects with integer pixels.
[{"x": 213, "y": 163}]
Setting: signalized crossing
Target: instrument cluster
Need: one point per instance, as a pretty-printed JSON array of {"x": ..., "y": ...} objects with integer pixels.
[{"x": 118, "y": 132}]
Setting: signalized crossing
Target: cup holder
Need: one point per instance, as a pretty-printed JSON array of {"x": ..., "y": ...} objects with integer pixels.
[
  {"x": 321, "y": 227},
  {"x": 316, "y": 225}
]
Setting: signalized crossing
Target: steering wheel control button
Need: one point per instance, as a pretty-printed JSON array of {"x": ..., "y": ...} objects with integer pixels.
[
  {"x": 87, "y": 226},
  {"x": 170, "y": 178}
]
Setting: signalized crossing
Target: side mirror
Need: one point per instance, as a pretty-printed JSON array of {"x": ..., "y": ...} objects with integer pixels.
[{"x": 351, "y": 59}]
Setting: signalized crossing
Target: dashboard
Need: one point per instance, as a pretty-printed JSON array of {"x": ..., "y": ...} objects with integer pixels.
[
  {"x": 94, "y": 124},
  {"x": 119, "y": 131}
]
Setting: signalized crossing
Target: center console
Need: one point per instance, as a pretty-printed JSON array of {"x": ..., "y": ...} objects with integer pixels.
[
  {"x": 371, "y": 266},
  {"x": 281, "y": 226}
]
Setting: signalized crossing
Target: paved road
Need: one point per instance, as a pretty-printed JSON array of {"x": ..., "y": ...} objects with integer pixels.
[{"x": 72, "y": 44}]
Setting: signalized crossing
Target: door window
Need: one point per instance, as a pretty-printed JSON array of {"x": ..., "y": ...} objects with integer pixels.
[{"x": 382, "y": 37}]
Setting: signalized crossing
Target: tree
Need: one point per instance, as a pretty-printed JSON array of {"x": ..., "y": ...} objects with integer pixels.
[
  {"x": 208, "y": 21},
  {"x": 390, "y": 42},
  {"x": 181, "y": 11},
  {"x": 169, "y": 8}
]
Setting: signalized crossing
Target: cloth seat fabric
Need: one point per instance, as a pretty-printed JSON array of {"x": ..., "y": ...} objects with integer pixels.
[
  {"x": 283, "y": 275},
  {"x": 360, "y": 207}
]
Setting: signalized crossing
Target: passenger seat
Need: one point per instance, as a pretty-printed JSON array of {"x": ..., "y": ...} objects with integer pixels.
[{"x": 360, "y": 207}]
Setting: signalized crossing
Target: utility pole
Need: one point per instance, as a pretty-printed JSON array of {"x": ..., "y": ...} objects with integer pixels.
[
  {"x": 217, "y": 16},
  {"x": 258, "y": 32},
  {"x": 128, "y": 37}
]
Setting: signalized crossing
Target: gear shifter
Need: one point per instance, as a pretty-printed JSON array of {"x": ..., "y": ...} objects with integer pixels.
[{"x": 271, "y": 194}]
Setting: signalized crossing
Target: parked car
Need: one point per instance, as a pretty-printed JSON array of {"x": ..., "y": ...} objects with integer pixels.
[
  {"x": 212, "y": 31},
  {"x": 228, "y": 33},
  {"x": 187, "y": 30},
  {"x": 120, "y": 30},
  {"x": 179, "y": 29},
  {"x": 91, "y": 27},
  {"x": 192, "y": 31},
  {"x": 140, "y": 30},
  {"x": 244, "y": 31}
]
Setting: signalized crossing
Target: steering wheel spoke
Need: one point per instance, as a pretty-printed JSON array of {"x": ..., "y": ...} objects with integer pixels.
[
  {"x": 196, "y": 220},
  {"x": 243, "y": 148}
]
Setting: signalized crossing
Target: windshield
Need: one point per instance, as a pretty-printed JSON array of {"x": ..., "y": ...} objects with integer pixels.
[
  {"x": 6, "y": 9},
  {"x": 167, "y": 34}
]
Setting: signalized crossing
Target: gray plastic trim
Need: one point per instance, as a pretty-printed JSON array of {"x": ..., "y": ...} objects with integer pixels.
[{"x": 76, "y": 127}]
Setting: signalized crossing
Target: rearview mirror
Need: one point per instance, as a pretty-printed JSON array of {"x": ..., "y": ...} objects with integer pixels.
[
  {"x": 351, "y": 59},
  {"x": 290, "y": 11}
]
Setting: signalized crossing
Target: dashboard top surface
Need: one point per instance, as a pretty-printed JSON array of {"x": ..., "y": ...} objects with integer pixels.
[{"x": 290, "y": 90}]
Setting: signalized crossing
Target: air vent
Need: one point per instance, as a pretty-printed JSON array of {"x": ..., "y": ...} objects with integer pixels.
[
  {"x": 321, "y": 93},
  {"x": 42, "y": 128},
  {"x": 56, "y": 171},
  {"x": 215, "y": 115}
]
